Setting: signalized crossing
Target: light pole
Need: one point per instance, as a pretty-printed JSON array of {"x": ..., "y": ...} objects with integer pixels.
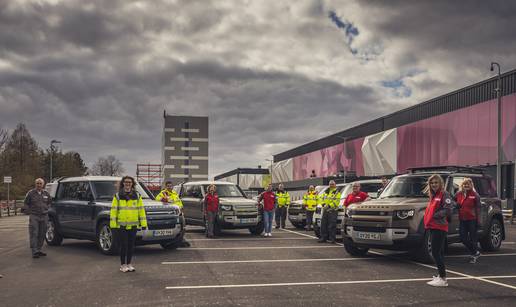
[
  {"x": 499, "y": 143},
  {"x": 52, "y": 147},
  {"x": 344, "y": 139}
]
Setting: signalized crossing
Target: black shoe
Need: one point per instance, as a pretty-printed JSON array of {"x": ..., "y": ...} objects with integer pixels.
[
  {"x": 35, "y": 255},
  {"x": 277, "y": 227},
  {"x": 42, "y": 254},
  {"x": 321, "y": 241}
]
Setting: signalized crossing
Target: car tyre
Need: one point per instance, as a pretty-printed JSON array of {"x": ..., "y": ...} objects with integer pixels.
[
  {"x": 257, "y": 230},
  {"x": 354, "y": 250},
  {"x": 174, "y": 243},
  {"x": 52, "y": 236},
  {"x": 424, "y": 252},
  {"x": 107, "y": 239},
  {"x": 494, "y": 236},
  {"x": 298, "y": 225}
]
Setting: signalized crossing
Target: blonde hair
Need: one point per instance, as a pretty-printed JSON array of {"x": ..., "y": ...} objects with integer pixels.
[
  {"x": 427, "y": 190},
  {"x": 214, "y": 188},
  {"x": 467, "y": 179}
]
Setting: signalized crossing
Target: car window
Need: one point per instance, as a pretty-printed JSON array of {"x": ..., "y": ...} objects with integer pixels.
[
  {"x": 226, "y": 190},
  {"x": 192, "y": 190},
  {"x": 406, "y": 186},
  {"x": 106, "y": 190},
  {"x": 83, "y": 191},
  {"x": 484, "y": 186},
  {"x": 67, "y": 190},
  {"x": 177, "y": 189},
  {"x": 455, "y": 185}
]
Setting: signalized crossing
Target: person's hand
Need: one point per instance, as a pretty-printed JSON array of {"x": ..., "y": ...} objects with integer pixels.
[{"x": 144, "y": 228}]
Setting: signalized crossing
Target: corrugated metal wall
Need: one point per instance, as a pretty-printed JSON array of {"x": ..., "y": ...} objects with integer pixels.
[{"x": 464, "y": 97}]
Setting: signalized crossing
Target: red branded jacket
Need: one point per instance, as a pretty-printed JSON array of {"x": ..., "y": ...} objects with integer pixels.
[
  {"x": 355, "y": 198},
  {"x": 469, "y": 205},
  {"x": 211, "y": 202}
]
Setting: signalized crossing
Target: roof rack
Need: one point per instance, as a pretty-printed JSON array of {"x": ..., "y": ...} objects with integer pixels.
[{"x": 447, "y": 168}]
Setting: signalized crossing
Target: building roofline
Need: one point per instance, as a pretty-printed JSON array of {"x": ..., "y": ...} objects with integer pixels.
[{"x": 251, "y": 171}]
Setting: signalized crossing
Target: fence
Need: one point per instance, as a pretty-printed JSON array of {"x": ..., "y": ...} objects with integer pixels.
[{"x": 13, "y": 208}]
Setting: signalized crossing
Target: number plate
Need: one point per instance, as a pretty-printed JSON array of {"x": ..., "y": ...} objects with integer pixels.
[
  {"x": 246, "y": 221},
  {"x": 293, "y": 217},
  {"x": 368, "y": 236},
  {"x": 163, "y": 232}
]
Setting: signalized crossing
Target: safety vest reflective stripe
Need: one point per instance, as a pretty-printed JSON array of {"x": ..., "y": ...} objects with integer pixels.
[
  {"x": 127, "y": 213},
  {"x": 283, "y": 199},
  {"x": 331, "y": 199},
  {"x": 172, "y": 197},
  {"x": 310, "y": 200}
]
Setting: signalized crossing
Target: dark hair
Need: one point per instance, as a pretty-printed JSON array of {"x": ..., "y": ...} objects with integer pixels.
[
  {"x": 168, "y": 182},
  {"x": 122, "y": 182}
]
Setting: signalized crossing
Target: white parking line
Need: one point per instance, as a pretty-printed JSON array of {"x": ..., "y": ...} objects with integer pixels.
[
  {"x": 483, "y": 255},
  {"x": 266, "y": 261},
  {"x": 432, "y": 267},
  {"x": 244, "y": 239},
  {"x": 328, "y": 282},
  {"x": 258, "y": 247}
]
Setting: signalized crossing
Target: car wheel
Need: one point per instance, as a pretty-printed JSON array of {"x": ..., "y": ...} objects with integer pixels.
[
  {"x": 299, "y": 225},
  {"x": 494, "y": 236},
  {"x": 107, "y": 241},
  {"x": 257, "y": 230},
  {"x": 424, "y": 252},
  {"x": 354, "y": 250},
  {"x": 52, "y": 235},
  {"x": 174, "y": 243}
]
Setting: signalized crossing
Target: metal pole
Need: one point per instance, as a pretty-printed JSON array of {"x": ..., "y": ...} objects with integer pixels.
[
  {"x": 51, "y": 154},
  {"x": 8, "y": 199},
  {"x": 499, "y": 131}
]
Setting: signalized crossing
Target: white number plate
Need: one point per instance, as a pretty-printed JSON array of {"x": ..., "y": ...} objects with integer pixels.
[
  {"x": 369, "y": 235},
  {"x": 250, "y": 220},
  {"x": 163, "y": 232}
]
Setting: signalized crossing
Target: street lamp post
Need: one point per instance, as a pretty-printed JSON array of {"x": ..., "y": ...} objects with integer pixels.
[
  {"x": 344, "y": 139},
  {"x": 499, "y": 142},
  {"x": 52, "y": 147}
]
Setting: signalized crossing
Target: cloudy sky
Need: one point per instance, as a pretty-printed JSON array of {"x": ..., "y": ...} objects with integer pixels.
[{"x": 270, "y": 74}]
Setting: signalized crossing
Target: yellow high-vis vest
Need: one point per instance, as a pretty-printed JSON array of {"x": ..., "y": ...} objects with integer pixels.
[
  {"x": 310, "y": 201},
  {"x": 331, "y": 198},
  {"x": 283, "y": 199},
  {"x": 171, "y": 196},
  {"x": 127, "y": 213}
]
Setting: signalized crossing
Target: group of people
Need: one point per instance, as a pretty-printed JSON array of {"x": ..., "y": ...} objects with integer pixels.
[
  {"x": 438, "y": 215},
  {"x": 127, "y": 215}
]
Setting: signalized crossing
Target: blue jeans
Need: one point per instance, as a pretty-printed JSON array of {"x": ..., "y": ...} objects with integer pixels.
[{"x": 267, "y": 221}]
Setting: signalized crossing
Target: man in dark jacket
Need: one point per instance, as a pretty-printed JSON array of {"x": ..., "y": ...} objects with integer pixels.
[{"x": 37, "y": 202}]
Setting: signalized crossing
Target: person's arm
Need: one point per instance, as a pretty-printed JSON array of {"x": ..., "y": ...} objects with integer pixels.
[
  {"x": 113, "y": 214},
  {"x": 141, "y": 213},
  {"x": 26, "y": 203}
]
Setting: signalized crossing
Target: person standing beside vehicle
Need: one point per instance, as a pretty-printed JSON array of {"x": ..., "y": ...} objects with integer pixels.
[
  {"x": 126, "y": 216},
  {"x": 269, "y": 203},
  {"x": 469, "y": 216},
  {"x": 310, "y": 203},
  {"x": 435, "y": 220},
  {"x": 36, "y": 204},
  {"x": 283, "y": 201},
  {"x": 211, "y": 207},
  {"x": 168, "y": 195},
  {"x": 356, "y": 196},
  {"x": 331, "y": 199}
]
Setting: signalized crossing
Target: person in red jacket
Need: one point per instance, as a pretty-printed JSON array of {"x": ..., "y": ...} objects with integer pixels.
[
  {"x": 469, "y": 216},
  {"x": 436, "y": 218},
  {"x": 269, "y": 204},
  {"x": 356, "y": 196},
  {"x": 211, "y": 205}
]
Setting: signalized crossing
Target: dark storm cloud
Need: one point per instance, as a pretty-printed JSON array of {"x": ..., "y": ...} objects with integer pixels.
[{"x": 97, "y": 75}]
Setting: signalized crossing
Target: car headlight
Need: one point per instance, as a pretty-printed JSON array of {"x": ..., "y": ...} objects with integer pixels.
[
  {"x": 226, "y": 207},
  {"x": 404, "y": 214}
]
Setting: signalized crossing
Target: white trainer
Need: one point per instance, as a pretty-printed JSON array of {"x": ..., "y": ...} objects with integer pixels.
[
  {"x": 130, "y": 268},
  {"x": 270, "y": 234},
  {"x": 123, "y": 268},
  {"x": 438, "y": 282}
]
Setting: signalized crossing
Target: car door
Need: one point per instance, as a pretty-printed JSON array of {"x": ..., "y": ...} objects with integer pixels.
[
  {"x": 66, "y": 206},
  {"x": 85, "y": 208},
  {"x": 453, "y": 187},
  {"x": 191, "y": 196}
]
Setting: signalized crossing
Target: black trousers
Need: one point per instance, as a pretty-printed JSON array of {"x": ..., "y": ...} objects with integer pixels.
[
  {"x": 309, "y": 218},
  {"x": 438, "y": 241},
  {"x": 329, "y": 224},
  {"x": 468, "y": 235},
  {"x": 281, "y": 216},
  {"x": 127, "y": 239}
]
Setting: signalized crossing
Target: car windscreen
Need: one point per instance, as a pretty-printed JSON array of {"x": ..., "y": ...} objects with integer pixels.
[
  {"x": 406, "y": 186},
  {"x": 107, "y": 189},
  {"x": 225, "y": 190}
]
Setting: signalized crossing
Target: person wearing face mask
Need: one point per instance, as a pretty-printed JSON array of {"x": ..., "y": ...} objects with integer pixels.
[
  {"x": 469, "y": 217},
  {"x": 435, "y": 220},
  {"x": 126, "y": 216}
]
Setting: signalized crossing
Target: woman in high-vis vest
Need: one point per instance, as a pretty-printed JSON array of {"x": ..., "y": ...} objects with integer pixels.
[
  {"x": 469, "y": 216},
  {"x": 436, "y": 218},
  {"x": 126, "y": 216}
]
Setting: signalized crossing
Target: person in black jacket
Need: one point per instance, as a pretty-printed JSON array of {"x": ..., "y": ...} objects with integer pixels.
[{"x": 36, "y": 204}]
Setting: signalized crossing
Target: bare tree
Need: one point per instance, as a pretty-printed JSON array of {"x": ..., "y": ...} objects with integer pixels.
[
  {"x": 4, "y": 136},
  {"x": 109, "y": 166}
]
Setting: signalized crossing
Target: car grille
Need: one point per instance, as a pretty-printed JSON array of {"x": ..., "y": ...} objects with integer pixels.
[
  {"x": 369, "y": 229},
  {"x": 374, "y": 213},
  {"x": 295, "y": 211},
  {"x": 245, "y": 209}
]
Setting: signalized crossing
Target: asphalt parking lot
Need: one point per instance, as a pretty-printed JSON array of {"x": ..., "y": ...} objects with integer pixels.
[{"x": 237, "y": 269}]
